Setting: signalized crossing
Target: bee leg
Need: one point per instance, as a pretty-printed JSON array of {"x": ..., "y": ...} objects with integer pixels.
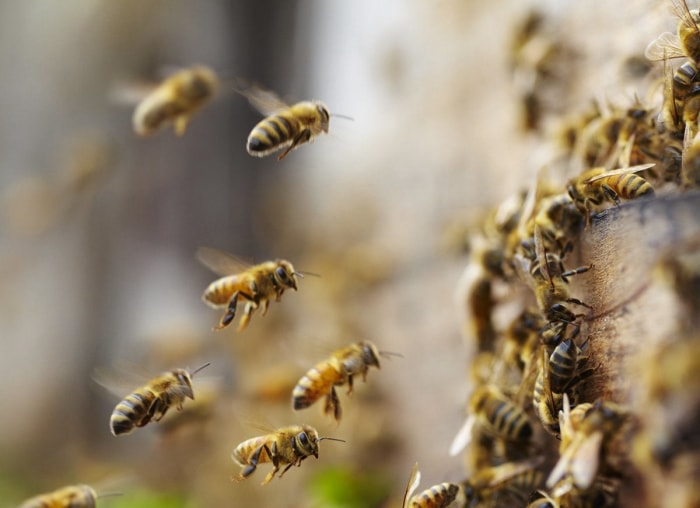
[
  {"x": 349, "y": 385},
  {"x": 578, "y": 302},
  {"x": 611, "y": 194},
  {"x": 265, "y": 304},
  {"x": 247, "y": 314},
  {"x": 333, "y": 405},
  {"x": 254, "y": 459},
  {"x": 156, "y": 411},
  {"x": 274, "y": 458},
  {"x": 230, "y": 311},
  {"x": 302, "y": 137},
  {"x": 180, "y": 124}
]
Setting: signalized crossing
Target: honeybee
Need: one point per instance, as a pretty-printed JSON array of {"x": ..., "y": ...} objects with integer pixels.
[
  {"x": 585, "y": 436},
  {"x": 336, "y": 370},
  {"x": 522, "y": 338},
  {"x": 510, "y": 479},
  {"x": 175, "y": 101},
  {"x": 684, "y": 43},
  {"x": 152, "y": 401},
  {"x": 560, "y": 222},
  {"x": 74, "y": 496},
  {"x": 496, "y": 415},
  {"x": 595, "y": 186},
  {"x": 256, "y": 285},
  {"x": 284, "y": 127},
  {"x": 437, "y": 496},
  {"x": 559, "y": 373},
  {"x": 690, "y": 165},
  {"x": 287, "y": 445}
]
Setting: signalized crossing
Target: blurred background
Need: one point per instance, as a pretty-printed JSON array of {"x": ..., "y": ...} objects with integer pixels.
[{"x": 98, "y": 228}]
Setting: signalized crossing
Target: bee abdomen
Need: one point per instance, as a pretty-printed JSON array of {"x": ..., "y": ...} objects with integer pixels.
[
  {"x": 511, "y": 422},
  {"x": 437, "y": 496},
  {"x": 271, "y": 134},
  {"x": 633, "y": 186},
  {"x": 312, "y": 386},
  {"x": 129, "y": 413}
]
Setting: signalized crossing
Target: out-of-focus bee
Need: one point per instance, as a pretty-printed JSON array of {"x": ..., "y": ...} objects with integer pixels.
[
  {"x": 595, "y": 186},
  {"x": 511, "y": 480},
  {"x": 585, "y": 440},
  {"x": 175, "y": 100},
  {"x": 287, "y": 445},
  {"x": 74, "y": 496},
  {"x": 540, "y": 499},
  {"x": 437, "y": 496},
  {"x": 496, "y": 415},
  {"x": 152, "y": 401},
  {"x": 690, "y": 166},
  {"x": 559, "y": 373},
  {"x": 256, "y": 285},
  {"x": 684, "y": 43},
  {"x": 284, "y": 127},
  {"x": 559, "y": 221},
  {"x": 522, "y": 338},
  {"x": 338, "y": 369}
]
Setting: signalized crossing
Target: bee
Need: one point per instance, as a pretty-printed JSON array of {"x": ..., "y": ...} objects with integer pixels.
[
  {"x": 175, "y": 101},
  {"x": 685, "y": 43},
  {"x": 540, "y": 499},
  {"x": 559, "y": 373},
  {"x": 510, "y": 479},
  {"x": 498, "y": 415},
  {"x": 522, "y": 337},
  {"x": 585, "y": 436},
  {"x": 256, "y": 285},
  {"x": 284, "y": 126},
  {"x": 74, "y": 496},
  {"x": 690, "y": 165},
  {"x": 287, "y": 445},
  {"x": 152, "y": 401},
  {"x": 336, "y": 370},
  {"x": 437, "y": 496},
  {"x": 597, "y": 185}
]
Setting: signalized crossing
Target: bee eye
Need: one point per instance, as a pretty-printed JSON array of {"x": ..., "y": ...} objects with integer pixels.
[
  {"x": 303, "y": 439},
  {"x": 282, "y": 274}
]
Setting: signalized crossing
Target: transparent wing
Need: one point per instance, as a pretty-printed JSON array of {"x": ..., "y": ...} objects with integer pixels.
[
  {"x": 264, "y": 100},
  {"x": 221, "y": 262},
  {"x": 413, "y": 481},
  {"x": 463, "y": 437},
  {"x": 619, "y": 171},
  {"x": 666, "y": 45}
]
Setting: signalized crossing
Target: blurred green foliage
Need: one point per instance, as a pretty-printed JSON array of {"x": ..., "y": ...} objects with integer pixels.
[{"x": 344, "y": 487}]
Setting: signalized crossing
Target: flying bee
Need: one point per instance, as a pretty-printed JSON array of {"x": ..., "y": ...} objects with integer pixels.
[
  {"x": 152, "y": 401},
  {"x": 559, "y": 373},
  {"x": 595, "y": 186},
  {"x": 510, "y": 479},
  {"x": 175, "y": 101},
  {"x": 256, "y": 285},
  {"x": 74, "y": 496},
  {"x": 496, "y": 415},
  {"x": 584, "y": 441},
  {"x": 284, "y": 126},
  {"x": 287, "y": 445},
  {"x": 437, "y": 496},
  {"x": 338, "y": 369},
  {"x": 685, "y": 43}
]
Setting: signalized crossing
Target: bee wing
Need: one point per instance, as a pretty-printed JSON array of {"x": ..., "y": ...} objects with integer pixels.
[
  {"x": 619, "y": 171},
  {"x": 264, "y": 100},
  {"x": 413, "y": 481},
  {"x": 562, "y": 466},
  {"x": 463, "y": 437},
  {"x": 584, "y": 464},
  {"x": 505, "y": 472},
  {"x": 119, "y": 381},
  {"x": 221, "y": 262},
  {"x": 666, "y": 45}
]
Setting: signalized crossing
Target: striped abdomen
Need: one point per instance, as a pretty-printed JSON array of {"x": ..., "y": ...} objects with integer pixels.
[
  {"x": 316, "y": 383},
  {"x": 219, "y": 292},
  {"x": 506, "y": 420},
  {"x": 628, "y": 186},
  {"x": 241, "y": 454},
  {"x": 273, "y": 133},
  {"x": 133, "y": 411},
  {"x": 75, "y": 496},
  {"x": 437, "y": 496}
]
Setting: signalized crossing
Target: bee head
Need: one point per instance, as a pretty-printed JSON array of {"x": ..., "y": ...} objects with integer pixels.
[
  {"x": 324, "y": 115},
  {"x": 307, "y": 441},
  {"x": 285, "y": 275},
  {"x": 185, "y": 382}
]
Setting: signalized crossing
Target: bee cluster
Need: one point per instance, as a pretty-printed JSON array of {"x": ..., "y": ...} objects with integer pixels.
[{"x": 542, "y": 428}]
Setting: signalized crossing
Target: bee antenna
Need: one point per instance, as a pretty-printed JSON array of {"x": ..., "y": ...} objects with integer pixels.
[
  {"x": 331, "y": 439},
  {"x": 110, "y": 494},
  {"x": 346, "y": 117},
  {"x": 389, "y": 354},
  {"x": 301, "y": 274},
  {"x": 200, "y": 368}
]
